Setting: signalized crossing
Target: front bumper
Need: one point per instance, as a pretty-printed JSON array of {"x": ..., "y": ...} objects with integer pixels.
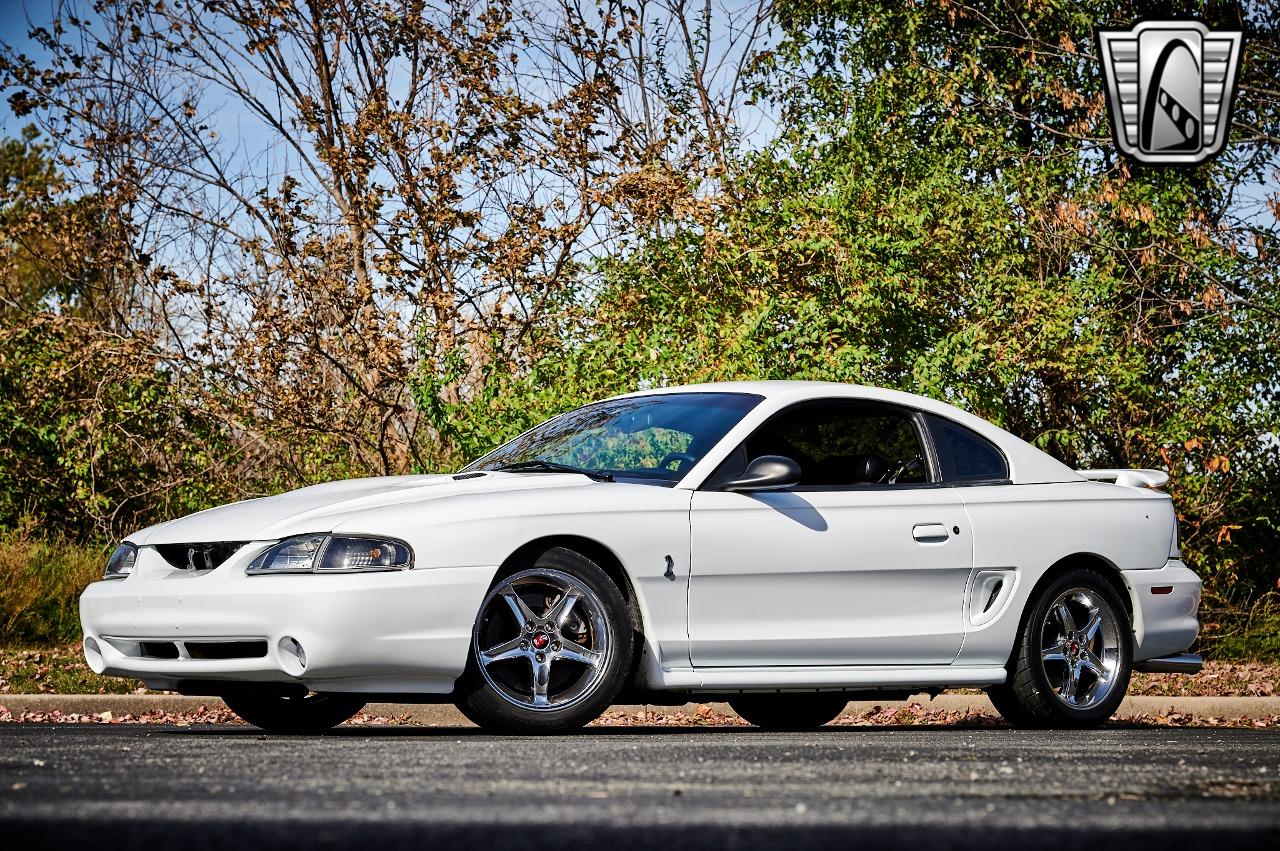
[
  {"x": 396, "y": 631},
  {"x": 1165, "y": 603}
]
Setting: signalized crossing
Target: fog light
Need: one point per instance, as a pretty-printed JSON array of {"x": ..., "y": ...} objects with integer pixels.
[{"x": 292, "y": 657}]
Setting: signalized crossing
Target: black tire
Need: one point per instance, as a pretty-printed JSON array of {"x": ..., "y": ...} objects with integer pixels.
[
  {"x": 311, "y": 713},
  {"x": 490, "y": 698},
  {"x": 1033, "y": 695},
  {"x": 790, "y": 711}
]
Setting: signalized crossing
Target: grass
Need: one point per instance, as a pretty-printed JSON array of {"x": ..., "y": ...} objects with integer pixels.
[
  {"x": 40, "y": 618},
  {"x": 56, "y": 670},
  {"x": 1241, "y": 635},
  {"x": 40, "y": 591}
]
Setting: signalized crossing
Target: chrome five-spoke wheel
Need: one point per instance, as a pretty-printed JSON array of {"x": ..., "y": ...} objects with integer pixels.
[
  {"x": 542, "y": 641},
  {"x": 1075, "y": 651},
  {"x": 552, "y": 647},
  {"x": 1080, "y": 648}
]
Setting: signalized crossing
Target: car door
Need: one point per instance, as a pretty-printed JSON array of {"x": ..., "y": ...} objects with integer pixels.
[{"x": 864, "y": 562}]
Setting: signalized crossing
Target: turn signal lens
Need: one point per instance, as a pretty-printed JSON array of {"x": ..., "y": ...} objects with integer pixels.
[
  {"x": 121, "y": 562},
  {"x": 364, "y": 554}
]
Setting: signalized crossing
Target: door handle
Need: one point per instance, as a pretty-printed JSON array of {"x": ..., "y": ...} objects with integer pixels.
[{"x": 930, "y": 533}]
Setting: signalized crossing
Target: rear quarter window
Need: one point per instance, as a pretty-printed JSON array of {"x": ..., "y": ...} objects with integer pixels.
[{"x": 964, "y": 455}]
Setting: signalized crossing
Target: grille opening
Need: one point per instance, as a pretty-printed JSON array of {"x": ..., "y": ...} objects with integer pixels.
[
  {"x": 226, "y": 649},
  {"x": 198, "y": 556},
  {"x": 159, "y": 649}
]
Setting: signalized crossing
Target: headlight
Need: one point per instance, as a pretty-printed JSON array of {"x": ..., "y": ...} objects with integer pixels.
[
  {"x": 121, "y": 562},
  {"x": 333, "y": 554},
  {"x": 292, "y": 555}
]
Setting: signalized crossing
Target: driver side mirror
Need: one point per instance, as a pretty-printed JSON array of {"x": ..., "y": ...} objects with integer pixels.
[{"x": 766, "y": 473}]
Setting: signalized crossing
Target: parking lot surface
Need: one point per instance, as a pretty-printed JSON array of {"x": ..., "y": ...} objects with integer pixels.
[{"x": 109, "y": 786}]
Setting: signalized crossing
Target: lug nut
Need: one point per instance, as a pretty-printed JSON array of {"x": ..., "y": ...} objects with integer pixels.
[
  {"x": 524, "y": 645},
  {"x": 528, "y": 627},
  {"x": 555, "y": 646},
  {"x": 541, "y": 657}
]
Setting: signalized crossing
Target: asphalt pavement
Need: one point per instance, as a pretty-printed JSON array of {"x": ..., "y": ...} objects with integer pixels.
[{"x": 154, "y": 787}]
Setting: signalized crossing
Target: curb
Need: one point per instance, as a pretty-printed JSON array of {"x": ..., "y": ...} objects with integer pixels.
[{"x": 445, "y": 715}]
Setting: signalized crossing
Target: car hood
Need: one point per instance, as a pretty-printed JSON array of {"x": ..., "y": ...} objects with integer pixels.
[{"x": 322, "y": 508}]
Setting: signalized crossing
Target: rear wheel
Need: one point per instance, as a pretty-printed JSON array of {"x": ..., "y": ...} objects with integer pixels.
[
  {"x": 551, "y": 649},
  {"x": 789, "y": 711},
  {"x": 278, "y": 713},
  {"x": 1074, "y": 656}
]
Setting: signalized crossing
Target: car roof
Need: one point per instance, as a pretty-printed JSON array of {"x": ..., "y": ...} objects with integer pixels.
[{"x": 1027, "y": 464}]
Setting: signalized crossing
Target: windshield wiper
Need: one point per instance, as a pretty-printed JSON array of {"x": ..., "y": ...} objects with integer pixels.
[{"x": 537, "y": 465}]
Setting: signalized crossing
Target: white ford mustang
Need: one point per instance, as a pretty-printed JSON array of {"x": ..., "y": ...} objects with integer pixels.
[{"x": 784, "y": 546}]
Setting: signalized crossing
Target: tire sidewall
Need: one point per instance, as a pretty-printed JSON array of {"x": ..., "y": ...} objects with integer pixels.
[{"x": 485, "y": 707}]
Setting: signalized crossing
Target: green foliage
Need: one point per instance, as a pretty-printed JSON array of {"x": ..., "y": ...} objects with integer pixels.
[
  {"x": 95, "y": 437},
  {"x": 1242, "y": 634},
  {"x": 40, "y": 593}
]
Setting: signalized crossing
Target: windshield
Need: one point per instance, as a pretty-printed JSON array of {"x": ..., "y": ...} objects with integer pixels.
[{"x": 653, "y": 439}]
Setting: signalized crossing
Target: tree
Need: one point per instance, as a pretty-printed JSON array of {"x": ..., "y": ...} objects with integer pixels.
[
  {"x": 92, "y": 438},
  {"x": 944, "y": 213},
  {"x": 421, "y": 190},
  {"x": 451, "y": 222}
]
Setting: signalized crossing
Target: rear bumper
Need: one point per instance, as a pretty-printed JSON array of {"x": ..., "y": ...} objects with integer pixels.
[
  {"x": 375, "y": 632},
  {"x": 1165, "y": 606}
]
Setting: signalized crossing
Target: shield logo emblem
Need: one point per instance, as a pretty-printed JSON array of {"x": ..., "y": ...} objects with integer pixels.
[{"x": 1169, "y": 87}]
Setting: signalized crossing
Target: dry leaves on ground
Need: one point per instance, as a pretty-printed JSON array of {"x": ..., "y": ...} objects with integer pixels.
[
  {"x": 1217, "y": 679},
  {"x": 202, "y": 715},
  {"x": 911, "y": 715}
]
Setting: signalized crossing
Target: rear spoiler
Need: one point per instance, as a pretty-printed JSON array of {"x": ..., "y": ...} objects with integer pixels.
[{"x": 1154, "y": 479}]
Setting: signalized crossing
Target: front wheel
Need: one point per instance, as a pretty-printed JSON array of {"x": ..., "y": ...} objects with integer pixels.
[
  {"x": 1075, "y": 651},
  {"x": 309, "y": 713},
  {"x": 789, "y": 711},
  {"x": 551, "y": 649}
]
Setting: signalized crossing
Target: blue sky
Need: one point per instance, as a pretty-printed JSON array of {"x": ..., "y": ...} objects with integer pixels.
[{"x": 13, "y": 32}]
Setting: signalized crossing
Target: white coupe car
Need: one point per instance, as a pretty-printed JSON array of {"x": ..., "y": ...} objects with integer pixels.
[{"x": 784, "y": 546}]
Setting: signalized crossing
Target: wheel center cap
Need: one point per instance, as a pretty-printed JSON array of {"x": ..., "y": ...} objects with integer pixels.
[
  {"x": 540, "y": 640},
  {"x": 1075, "y": 648}
]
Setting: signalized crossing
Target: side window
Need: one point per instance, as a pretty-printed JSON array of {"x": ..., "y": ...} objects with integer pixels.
[
  {"x": 838, "y": 443},
  {"x": 965, "y": 456}
]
